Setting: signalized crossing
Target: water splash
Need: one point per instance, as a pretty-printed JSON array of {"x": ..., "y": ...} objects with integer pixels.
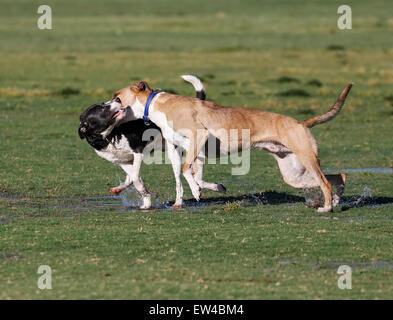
[
  {"x": 130, "y": 198},
  {"x": 356, "y": 170},
  {"x": 313, "y": 197},
  {"x": 258, "y": 199},
  {"x": 356, "y": 201}
]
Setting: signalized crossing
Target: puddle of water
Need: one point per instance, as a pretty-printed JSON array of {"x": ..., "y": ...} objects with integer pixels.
[
  {"x": 10, "y": 256},
  {"x": 355, "y": 219},
  {"x": 285, "y": 261},
  {"x": 129, "y": 200},
  {"x": 13, "y": 197},
  {"x": 367, "y": 265},
  {"x": 355, "y": 170},
  {"x": 378, "y": 205}
]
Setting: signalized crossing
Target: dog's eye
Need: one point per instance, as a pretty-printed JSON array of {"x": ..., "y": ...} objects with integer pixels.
[{"x": 118, "y": 100}]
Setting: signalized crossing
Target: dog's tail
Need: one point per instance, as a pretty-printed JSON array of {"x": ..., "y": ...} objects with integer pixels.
[
  {"x": 199, "y": 88},
  {"x": 334, "y": 111}
]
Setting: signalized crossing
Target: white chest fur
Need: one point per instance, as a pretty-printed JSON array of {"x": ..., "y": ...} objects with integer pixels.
[
  {"x": 118, "y": 152},
  {"x": 169, "y": 134}
]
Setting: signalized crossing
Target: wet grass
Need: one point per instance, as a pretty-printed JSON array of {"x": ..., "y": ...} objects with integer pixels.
[{"x": 257, "y": 241}]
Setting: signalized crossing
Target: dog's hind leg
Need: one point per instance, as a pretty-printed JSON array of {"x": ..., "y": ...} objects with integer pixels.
[
  {"x": 311, "y": 163},
  {"x": 303, "y": 144},
  {"x": 197, "y": 169},
  {"x": 124, "y": 185}
]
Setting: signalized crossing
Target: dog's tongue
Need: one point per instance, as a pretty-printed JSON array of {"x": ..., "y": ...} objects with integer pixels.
[{"x": 119, "y": 113}]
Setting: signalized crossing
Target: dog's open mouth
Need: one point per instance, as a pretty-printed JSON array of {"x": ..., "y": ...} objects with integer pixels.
[{"x": 119, "y": 113}]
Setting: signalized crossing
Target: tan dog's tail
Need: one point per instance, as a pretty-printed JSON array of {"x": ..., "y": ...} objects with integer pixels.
[
  {"x": 198, "y": 86},
  {"x": 332, "y": 112}
]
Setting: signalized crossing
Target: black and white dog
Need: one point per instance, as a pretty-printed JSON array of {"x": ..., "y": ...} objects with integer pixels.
[{"x": 124, "y": 143}]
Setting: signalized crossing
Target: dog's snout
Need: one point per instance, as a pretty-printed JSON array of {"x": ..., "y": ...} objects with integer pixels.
[{"x": 82, "y": 132}]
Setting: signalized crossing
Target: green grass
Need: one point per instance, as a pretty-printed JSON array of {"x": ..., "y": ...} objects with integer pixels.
[{"x": 263, "y": 55}]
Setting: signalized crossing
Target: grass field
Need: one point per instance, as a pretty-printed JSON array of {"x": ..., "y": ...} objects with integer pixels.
[{"x": 260, "y": 241}]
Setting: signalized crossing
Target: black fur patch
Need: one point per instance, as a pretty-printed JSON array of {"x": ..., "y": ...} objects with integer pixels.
[
  {"x": 133, "y": 131},
  {"x": 98, "y": 118},
  {"x": 201, "y": 95}
]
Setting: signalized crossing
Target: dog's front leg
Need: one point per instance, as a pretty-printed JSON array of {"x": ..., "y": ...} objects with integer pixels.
[
  {"x": 175, "y": 155},
  {"x": 197, "y": 141},
  {"x": 134, "y": 173}
]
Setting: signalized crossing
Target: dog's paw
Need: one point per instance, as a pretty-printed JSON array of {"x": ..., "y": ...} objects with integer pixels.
[
  {"x": 177, "y": 206},
  {"x": 325, "y": 209},
  {"x": 221, "y": 188},
  {"x": 196, "y": 192},
  {"x": 146, "y": 203},
  {"x": 116, "y": 190}
]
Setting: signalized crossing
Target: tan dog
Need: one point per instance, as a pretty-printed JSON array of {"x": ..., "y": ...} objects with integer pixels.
[{"x": 188, "y": 122}]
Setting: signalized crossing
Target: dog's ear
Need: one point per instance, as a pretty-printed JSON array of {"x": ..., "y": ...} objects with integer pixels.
[
  {"x": 82, "y": 131},
  {"x": 141, "y": 86}
]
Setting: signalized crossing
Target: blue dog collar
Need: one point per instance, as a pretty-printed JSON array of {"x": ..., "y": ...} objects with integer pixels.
[{"x": 147, "y": 105}]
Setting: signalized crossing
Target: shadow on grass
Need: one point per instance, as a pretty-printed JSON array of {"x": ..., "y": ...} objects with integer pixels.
[
  {"x": 250, "y": 199},
  {"x": 279, "y": 198}
]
